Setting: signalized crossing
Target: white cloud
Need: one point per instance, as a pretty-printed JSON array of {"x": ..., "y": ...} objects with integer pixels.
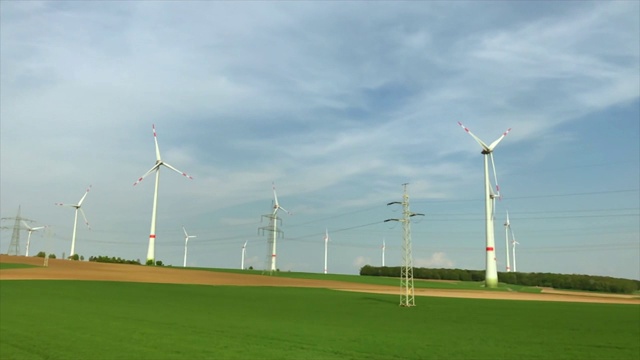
[
  {"x": 361, "y": 261},
  {"x": 436, "y": 260}
]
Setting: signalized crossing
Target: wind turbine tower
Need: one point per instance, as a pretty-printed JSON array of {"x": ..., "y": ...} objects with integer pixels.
[
  {"x": 244, "y": 249},
  {"x": 151, "y": 252},
  {"x": 186, "y": 240},
  {"x": 273, "y": 231},
  {"x": 30, "y": 230},
  {"x": 383, "y": 249},
  {"x": 77, "y": 206},
  {"x": 491, "y": 276},
  {"x": 507, "y": 227},
  {"x": 407, "y": 294},
  {"x": 514, "y": 242},
  {"x": 326, "y": 247}
]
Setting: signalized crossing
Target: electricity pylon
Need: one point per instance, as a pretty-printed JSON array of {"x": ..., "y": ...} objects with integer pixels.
[
  {"x": 407, "y": 294},
  {"x": 14, "y": 246},
  {"x": 273, "y": 233}
]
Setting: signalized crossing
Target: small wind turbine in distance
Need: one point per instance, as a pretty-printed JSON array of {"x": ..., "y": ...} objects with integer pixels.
[
  {"x": 507, "y": 228},
  {"x": 274, "y": 218},
  {"x": 156, "y": 168},
  {"x": 326, "y": 247},
  {"x": 77, "y": 206},
  {"x": 186, "y": 240},
  {"x": 30, "y": 230},
  {"x": 383, "y": 249},
  {"x": 514, "y": 242},
  {"x": 491, "y": 277},
  {"x": 244, "y": 249}
]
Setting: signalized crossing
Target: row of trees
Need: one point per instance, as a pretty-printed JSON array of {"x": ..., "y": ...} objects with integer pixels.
[
  {"x": 114, "y": 260},
  {"x": 556, "y": 281},
  {"x": 43, "y": 254}
]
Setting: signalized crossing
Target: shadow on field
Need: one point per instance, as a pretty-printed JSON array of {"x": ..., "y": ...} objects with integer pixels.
[{"x": 377, "y": 299}]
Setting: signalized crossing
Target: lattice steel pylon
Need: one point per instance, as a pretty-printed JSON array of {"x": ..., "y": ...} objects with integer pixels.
[
  {"x": 407, "y": 293},
  {"x": 14, "y": 246},
  {"x": 273, "y": 233}
]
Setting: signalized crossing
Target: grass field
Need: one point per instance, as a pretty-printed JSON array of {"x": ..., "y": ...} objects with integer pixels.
[
  {"x": 380, "y": 280},
  {"x": 112, "y": 320},
  {"x": 15, "y": 266}
]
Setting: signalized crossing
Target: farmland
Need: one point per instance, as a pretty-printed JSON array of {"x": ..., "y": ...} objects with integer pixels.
[{"x": 70, "y": 319}]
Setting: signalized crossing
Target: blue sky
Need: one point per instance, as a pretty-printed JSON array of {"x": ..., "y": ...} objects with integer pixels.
[{"x": 338, "y": 103}]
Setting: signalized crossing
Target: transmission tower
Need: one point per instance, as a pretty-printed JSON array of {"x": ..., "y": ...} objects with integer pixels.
[
  {"x": 14, "y": 246},
  {"x": 407, "y": 294},
  {"x": 273, "y": 233}
]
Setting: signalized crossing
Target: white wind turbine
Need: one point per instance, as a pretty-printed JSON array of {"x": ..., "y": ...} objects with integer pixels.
[
  {"x": 507, "y": 228},
  {"x": 491, "y": 277},
  {"x": 383, "y": 249},
  {"x": 514, "y": 242},
  {"x": 244, "y": 249},
  {"x": 30, "y": 230},
  {"x": 77, "y": 206},
  {"x": 326, "y": 247},
  {"x": 186, "y": 240},
  {"x": 156, "y": 168},
  {"x": 274, "y": 218}
]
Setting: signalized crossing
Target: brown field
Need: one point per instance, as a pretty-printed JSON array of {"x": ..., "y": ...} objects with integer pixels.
[{"x": 84, "y": 270}]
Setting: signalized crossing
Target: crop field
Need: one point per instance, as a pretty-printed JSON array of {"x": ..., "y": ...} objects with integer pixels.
[
  {"x": 389, "y": 281},
  {"x": 15, "y": 266},
  {"x": 62, "y": 319}
]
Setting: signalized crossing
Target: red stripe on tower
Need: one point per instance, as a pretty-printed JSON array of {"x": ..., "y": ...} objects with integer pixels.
[
  {"x": 152, "y": 236},
  {"x": 489, "y": 248}
]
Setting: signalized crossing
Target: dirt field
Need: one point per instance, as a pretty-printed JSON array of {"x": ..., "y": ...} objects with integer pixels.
[{"x": 83, "y": 270}]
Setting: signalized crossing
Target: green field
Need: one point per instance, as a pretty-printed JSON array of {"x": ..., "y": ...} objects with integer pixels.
[
  {"x": 15, "y": 266},
  {"x": 112, "y": 320},
  {"x": 380, "y": 280}
]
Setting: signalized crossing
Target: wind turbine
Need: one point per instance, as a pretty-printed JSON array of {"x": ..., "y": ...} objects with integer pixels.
[
  {"x": 507, "y": 227},
  {"x": 383, "y": 248},
  {"x": 186, "y": 240},
  {"x": 77, "y": 206},
  {"x": 326, "y": 246},
  {"x": 30, "y": 230},
  {"x": 514, "y": 242},
  {"x": 156, "y": 168},
  {"x": 244, "y": 249},
  {"x": 491, "y": 276},
  {"x": 274, "y": 227}
]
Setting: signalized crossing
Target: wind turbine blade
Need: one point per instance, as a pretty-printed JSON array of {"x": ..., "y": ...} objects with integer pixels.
[
  {"x": 477, "y": 139},
  {"x": 25, "y": 225},
  {"x": 285, "y": 210},
  {"x": 37, "y": 228},
  {"x": 155, "y": 139},
  {"x": 185, "y": 232},
  {"x": 507, "y": 224},
  {"x": 495, "y": 143},
  {"x": 495, "y": 175},
  {"x": 84, "y": 196},
  {"x": 176, "y": 170},
  {"x": 155, "y": 167},
  {"x": 275, "y": 196},
  {"x": 85, "y": 218}
]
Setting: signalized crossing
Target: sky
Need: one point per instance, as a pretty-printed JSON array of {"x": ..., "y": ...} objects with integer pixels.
[{"x": 338, "y": 104}]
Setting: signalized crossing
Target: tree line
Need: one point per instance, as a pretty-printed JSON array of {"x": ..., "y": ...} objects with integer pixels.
[
  {"x": 113, "y": 260},
  {"x": 556, "y": 281}
]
